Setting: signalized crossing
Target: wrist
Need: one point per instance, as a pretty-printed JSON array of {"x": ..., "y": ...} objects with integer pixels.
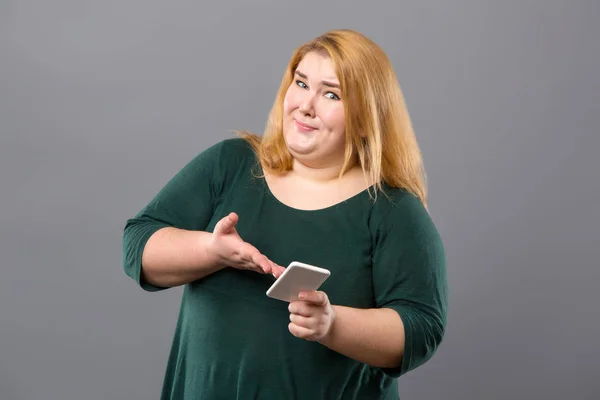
[
  {"x": 209, "y": 256},
  {"x": 329, "y": 336}
]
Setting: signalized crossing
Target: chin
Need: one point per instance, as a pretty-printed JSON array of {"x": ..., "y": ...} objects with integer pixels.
[
  {"x": 298, "y": 143},
  {"x": 298, "y": 149}
]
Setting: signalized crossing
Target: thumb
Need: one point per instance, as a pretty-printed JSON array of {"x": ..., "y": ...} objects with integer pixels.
[
  {"x": 226, "y": 224},
  {"x": 318, "y": 298}
]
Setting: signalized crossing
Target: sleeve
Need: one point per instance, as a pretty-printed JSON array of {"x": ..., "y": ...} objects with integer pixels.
[
  {"x": 409, "y": 276},
  {"x": 186, "y": 201}
]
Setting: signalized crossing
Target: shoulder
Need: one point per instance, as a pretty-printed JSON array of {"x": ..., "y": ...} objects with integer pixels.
[
  {"x": 229, "y": 149},
  {"x": 236, "y": 145},
  {"x": 402, "y": 229},
  {"x": 401, "y": 212},
  {"x": 224, "y": 155},
  {"x": 397, "y": 201},
  {"x": 221, "y": 161},
  {"x": 231, "y": 160}
]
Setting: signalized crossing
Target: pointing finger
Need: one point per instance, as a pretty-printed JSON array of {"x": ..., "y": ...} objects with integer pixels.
[{"x": 261, "y": 261}]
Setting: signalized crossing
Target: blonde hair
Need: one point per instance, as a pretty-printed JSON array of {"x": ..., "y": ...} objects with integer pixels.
[{"x": 379, "y": 133}]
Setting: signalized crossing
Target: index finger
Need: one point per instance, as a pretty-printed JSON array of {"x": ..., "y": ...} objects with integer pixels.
[
  {"x": 276, "y": 269},
  {"x": 263, "y": 262}
]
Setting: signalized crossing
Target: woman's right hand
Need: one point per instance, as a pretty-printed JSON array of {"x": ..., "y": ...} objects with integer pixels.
[{"x": 230, "y": 250}]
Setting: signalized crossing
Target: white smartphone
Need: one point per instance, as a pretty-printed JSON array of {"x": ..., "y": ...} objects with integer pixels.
[{"x": 297, "y": 277}]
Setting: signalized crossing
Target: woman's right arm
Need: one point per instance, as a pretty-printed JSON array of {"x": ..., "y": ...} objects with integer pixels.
[
  {"x": 165, "y": 243},
  {"x": 174, "y": 257},
  {"x": 169, "y": 243}
]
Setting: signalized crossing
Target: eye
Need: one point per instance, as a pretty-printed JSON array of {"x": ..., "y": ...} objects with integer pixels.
[
  {"x": 301, "y": 84},
  {"x": 332, "y": 96}
]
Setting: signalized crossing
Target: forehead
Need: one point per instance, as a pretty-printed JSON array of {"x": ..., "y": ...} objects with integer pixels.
[{"x": 317, "y": 66}]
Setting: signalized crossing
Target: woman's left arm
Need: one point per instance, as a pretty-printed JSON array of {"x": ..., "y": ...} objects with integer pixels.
[
  {"x": 372, "y": 336},
  {"x": 407, "y": 323}
]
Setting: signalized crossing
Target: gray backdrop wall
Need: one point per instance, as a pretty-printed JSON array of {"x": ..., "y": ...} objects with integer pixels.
[{"x": 102, "y": 102}]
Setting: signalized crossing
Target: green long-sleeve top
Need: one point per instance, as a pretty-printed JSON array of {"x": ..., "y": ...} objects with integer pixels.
[{"x": 232, "y": 341}]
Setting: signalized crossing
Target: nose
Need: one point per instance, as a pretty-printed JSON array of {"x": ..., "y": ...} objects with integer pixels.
[{"x": 307, "y": 105}]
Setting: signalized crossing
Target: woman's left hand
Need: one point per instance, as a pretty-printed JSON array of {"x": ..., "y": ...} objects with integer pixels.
[{"x": 312, "y": 316}]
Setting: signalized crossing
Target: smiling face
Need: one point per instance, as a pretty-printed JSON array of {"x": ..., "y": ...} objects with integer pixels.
[{"x": 313, "y": 114}]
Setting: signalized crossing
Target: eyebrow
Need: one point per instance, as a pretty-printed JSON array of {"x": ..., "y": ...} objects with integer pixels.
[{"x": 330, "y": 84}]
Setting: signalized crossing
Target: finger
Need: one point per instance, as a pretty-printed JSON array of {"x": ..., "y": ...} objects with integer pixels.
[
  {"x": 301, "y": 308},
  {"x": 300, "y": 331},
  {"x": 317, "y": 298},
  {"x": 276, "y": 269},
  {"x": 300, "y": 320},
  {"x": 262, "y": 262},
  {"x": 281, "y": 269},
  {"x": 272, "y": 266}
]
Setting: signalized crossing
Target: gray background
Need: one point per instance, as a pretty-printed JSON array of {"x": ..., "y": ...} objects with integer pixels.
[{"x": 102, "y": 102}]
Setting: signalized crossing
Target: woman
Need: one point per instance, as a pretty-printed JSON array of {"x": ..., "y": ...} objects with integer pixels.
[{"x": 335, "y": 181}]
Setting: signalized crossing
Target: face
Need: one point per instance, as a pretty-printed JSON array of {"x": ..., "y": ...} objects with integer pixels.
[{"x": 313, "y": 114}]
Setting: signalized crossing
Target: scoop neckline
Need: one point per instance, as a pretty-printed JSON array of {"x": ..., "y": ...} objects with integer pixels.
[{"x": 307, "y": 211}]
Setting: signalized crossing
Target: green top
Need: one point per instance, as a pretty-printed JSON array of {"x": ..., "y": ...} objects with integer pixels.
[{"x": 232, "y": 341}]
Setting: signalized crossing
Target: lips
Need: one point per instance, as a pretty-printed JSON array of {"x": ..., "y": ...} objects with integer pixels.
[{"x": 304, "y": 127}]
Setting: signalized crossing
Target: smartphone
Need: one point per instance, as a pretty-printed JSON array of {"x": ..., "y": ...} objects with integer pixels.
[{"x": 297, "y": 277}]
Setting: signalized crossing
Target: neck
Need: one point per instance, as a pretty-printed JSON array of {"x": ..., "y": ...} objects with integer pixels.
[{"x": 322, "y": 174}]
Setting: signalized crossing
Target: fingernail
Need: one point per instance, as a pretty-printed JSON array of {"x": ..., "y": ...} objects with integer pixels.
[{"x": 302, "y": 296}]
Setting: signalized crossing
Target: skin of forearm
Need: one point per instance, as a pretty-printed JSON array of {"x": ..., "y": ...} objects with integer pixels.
[
  {"x": 372, "y": 336},
  {"x": 174, "y": 257}
]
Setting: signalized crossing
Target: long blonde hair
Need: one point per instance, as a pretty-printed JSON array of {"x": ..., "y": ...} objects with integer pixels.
[{"x": 379, "y": 133}]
